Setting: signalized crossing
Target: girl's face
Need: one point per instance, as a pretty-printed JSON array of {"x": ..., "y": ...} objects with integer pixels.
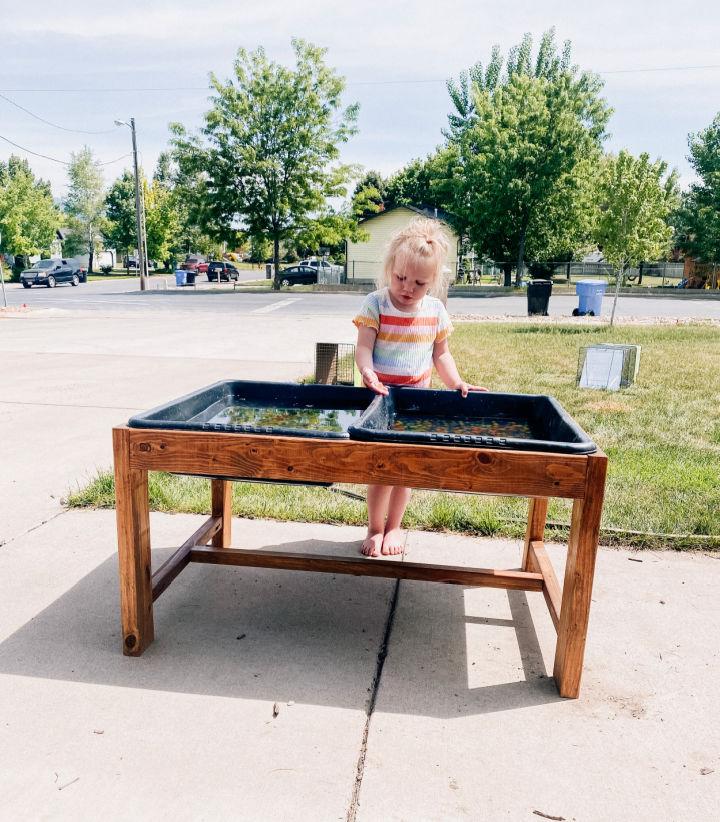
[{"x": 410, "y": 285}]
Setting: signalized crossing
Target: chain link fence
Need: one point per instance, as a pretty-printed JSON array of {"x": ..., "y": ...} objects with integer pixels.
[{"x": 471, "y": 272}]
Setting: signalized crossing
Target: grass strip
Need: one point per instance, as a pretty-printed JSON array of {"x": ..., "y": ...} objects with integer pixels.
[{"x": 662, "y": 437}]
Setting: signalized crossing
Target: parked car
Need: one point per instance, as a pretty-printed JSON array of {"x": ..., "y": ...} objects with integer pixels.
[
  {"x": 298, "y": 275},
  {"x": 79, "y": 268},
  {"x": 49, "y": 273},
  {"x": 323, "y": 265},
  {"x": 194, "y": 263},
  {"x": 132, "y": 262},
  {"x": 219, "y": 271}
]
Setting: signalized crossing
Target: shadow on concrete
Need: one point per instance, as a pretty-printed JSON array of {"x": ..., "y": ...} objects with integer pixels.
[
  {"x": 456, "y": 662},
  {"x": 279, "y": 635}
]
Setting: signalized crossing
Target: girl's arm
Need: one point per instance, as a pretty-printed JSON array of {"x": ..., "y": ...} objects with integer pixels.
[
  {"x": 446, "y": 368},
  {"x": 364, "y": 359}
]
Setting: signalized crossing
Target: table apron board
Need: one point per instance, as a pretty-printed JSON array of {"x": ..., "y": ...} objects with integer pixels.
[
  {"x": 224, "y": 457},
  {"x": 436, "y": 467}
]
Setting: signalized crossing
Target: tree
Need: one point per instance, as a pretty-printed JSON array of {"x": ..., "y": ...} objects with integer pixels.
[
  {"x": 121, "y": 226},
  {"x": 415, "y": 184},
  {"x": 329, "y": 228},
  {"x": 697, "y": 222},
  {"x": 521, "y": 145},
  {"x": 268, "y": 158},
  {"x": 85, "y": 202},
  {"x": 369, "y": 195},
  {"x": 28, "y": 216},
  {"x": 636, "y": 198},
  {"x": 162, "y": 221}
]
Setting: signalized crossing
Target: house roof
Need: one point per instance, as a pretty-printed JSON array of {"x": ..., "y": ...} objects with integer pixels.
[{"x": 433, "y": 213}]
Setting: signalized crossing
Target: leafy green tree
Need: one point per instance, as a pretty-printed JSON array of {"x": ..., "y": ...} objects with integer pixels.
[
  {"x": 85, "y": 204},
  {"x": 636, "y": 199},
  {"x": 121, "y": 226},
  {"x": 329, "y": 229},
  {"x": 522, "y": 143},
  {"x": 269, "y": 155},
  {"x": 369, "y": 195},
  {"x": 697, "y": 222},
  {"x": 162, "y": 221},
  {"x": 414, "y": 184},
  {"x": 197, "y": 229},
  {"x": 28, "y": 216},
  {"x": 260, "y": 249}
]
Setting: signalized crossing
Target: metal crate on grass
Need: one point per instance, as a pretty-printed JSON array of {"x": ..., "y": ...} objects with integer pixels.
[
  {"x": 608, "y": 366},
  {"x": 335, "y": 363}
]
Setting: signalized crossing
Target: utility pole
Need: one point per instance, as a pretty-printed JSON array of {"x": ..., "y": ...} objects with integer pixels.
[
  {"x": 2, "y": 278},
  {"x": 139, "y": 216},
  {"x": 138, "y": 213}
]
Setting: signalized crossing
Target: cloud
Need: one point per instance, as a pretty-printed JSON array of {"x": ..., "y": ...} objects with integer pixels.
[{"x": 152, "y": 44}]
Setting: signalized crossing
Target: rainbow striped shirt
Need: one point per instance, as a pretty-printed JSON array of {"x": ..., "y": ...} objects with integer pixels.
[{"x": 404, "y": 344}]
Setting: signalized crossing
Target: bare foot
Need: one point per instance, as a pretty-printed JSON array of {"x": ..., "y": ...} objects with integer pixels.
[
  {"x": 393, "y": 541},
  {"x": 372, "y": 544}
]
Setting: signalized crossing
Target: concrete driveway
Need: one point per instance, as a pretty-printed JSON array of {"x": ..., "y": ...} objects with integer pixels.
[{"x": 271, "y": 695}]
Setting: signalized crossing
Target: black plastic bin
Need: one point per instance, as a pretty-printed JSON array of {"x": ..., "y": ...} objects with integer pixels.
[
  {"x": 525, "y": 422},
  {"x": 190, "y": 277},
  {"x": 538, "y": 296},
  {"x": 237, "y": 406}
]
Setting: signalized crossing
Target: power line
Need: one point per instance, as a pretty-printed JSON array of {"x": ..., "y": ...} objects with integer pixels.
[
  {"x": 407, "y": 81},
  {"x": 54, "y": 125},
  {"x": 35, "y": 153},
  {"x": 116, "y": 160},
  {"x": 658, "y": 68},
  {"x": 55, "y": 159},
  {"x": 106, "y": 90}
]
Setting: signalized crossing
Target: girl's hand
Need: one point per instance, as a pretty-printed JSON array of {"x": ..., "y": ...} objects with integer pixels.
[
  {"x": 465, "y": 387},
  {"x": 369, "y": 378}
]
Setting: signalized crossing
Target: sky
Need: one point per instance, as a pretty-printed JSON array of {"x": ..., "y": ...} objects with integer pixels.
[{"x": 93, "y": 62}]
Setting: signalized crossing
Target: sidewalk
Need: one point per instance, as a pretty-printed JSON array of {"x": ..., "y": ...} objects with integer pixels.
[
  {"x": 466, "y": 724},
  {"x": 268, "y": 694}
]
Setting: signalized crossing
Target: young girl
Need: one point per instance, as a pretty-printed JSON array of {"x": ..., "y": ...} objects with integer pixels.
[{"x": 402, "y": 333}]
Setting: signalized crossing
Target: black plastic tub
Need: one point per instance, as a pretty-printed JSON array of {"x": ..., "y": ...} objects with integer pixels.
[
  {"x": 518, "y": 422},
  {"x": 236, "y": 406}
]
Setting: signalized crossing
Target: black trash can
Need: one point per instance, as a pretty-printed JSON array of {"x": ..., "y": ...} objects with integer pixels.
[
  {"x": 538, "y": 296},
  {"x": 190, "y": 278}
]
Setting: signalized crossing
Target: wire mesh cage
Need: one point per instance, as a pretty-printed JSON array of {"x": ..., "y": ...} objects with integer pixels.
[
  {"x": 335, "y": 363},
  {"x": 608, "y": 366}
]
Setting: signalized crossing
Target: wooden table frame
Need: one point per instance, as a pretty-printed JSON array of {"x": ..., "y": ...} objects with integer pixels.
[{"x": 225, "y": 457}]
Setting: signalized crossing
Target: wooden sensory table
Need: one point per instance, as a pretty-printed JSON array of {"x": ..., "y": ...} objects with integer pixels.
[{"x": 224, "y": 457}]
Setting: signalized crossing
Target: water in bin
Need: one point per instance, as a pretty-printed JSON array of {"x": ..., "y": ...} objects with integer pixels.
[{"x": 590, "y": 295}]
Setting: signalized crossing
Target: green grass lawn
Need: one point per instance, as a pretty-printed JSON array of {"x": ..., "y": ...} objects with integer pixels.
[{"x": 662, "y": 437}]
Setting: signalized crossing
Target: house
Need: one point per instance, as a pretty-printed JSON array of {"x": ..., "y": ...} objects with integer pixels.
[
  {"x": 364, "y": 260},
  {"x": 56, "y": 250}
]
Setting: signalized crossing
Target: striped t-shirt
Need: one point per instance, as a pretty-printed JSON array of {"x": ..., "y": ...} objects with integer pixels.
[{"x": 404, "y": 344}]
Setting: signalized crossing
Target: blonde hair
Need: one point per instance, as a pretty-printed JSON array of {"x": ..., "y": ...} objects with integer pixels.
[{"x": 422, "y": 240}]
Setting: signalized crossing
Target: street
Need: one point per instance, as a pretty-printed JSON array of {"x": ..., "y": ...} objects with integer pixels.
[
  {"x": 276, "y": 671},
  {"x": 124, "y": 296}
]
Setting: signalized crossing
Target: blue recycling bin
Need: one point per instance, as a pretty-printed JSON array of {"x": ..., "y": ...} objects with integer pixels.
[
  {"x": 180, "y": 277},
  {"x": 590, "y": 295}
]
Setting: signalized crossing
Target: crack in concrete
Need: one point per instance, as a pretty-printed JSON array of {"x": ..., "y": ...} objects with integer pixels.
[
  {"x": 67, "y": 405},
  {"x": 6, "y": 542},
  {"x": 374, "y": 688}
]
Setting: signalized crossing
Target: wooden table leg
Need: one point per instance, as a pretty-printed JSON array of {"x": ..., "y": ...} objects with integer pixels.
[
  {"x": 221, "y": 492},
  {"x": 579, "y": 573},
  {"x": 537, "y": 514},
  {"x": 133, "y": 526}
]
